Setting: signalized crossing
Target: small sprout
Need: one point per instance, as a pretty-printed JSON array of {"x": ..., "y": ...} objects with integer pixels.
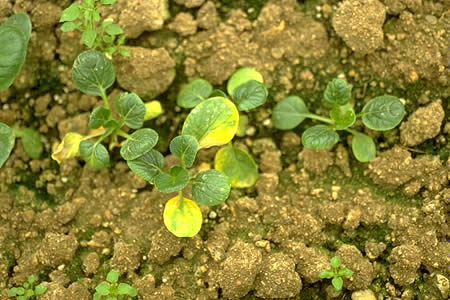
[
  {"x": 28, "y": 290},
  {"x": 113, "y": 290},
  {"x": 336, "y": 273}
]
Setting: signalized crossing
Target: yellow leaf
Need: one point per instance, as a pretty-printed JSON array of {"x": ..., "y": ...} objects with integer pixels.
[
  {"x": 152, "y": 110},
  {"x": 69, "y": 147},
  {"x": 182, "y": 217}
]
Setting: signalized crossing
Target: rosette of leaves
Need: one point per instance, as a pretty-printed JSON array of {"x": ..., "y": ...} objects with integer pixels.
[
  {"x": 28, "y": 290},
  {"x": 113, "y": 290},
  {"x": 380, "y": 113},
  {"x": 336, "y": 273}
]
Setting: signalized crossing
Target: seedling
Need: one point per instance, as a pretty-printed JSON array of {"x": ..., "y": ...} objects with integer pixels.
[
  {"x": 85, "y": 17},
  {"x": 15, "y": 33},
  {"x": 28, "y": 290},
  {"x": 336, "y": 273},
  {"x": 113, "y": 290},
  {"x": 381, "y": 113}
]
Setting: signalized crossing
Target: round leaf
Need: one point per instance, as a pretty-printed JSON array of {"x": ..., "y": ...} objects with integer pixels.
[
  {"x": 6, "y": 142},
  {"x": 319, "y": 137},
  {"x": 346, "y": 272},
  {"x": 98, "y": 117},
  {"x": 249, "y": 95},
  {"x": 68, "y": 148},
  {"x": 102, "y": 289},
  {"x": 326, "y": 274},
  {"x": 113, "y": 276},
  {"x": 126, "y": 289},
  {"x": 94, "y": 154},
  {"x": 194, "y": 92},
  {"x": 335, "y": 262},
  {"x": 147, "y": 166},
  {"x": 337, "y": 92},
  {"x": 383, "y": 113},
  {"x": 12, "y": 54},
  {"x": 131, "y": 108},
  {"x": 93, "y": 72},
  {"x": 238, "y": 165},
  {"x": 88, "y": 37},
  {"x": 21, "y": 20},
  {"x": 182, "y": 217},
  {"x": 210, "y": 187},
  {"x": 139, "y": 143},
  {"x": 289, "y": 113},
  {"x": 213, "y": 122},
  {"x": 363, "y": 147},
  {"x": 113, "y": 29},
  {"x": 175, "y": 181},
  {"x": 32, "y": 144},
  {"x": 241, "y": 76},
  {"x": 185, "y": 148},
  {"x": 337, "y": 282},
  {"x": 71, "y": 13},
  {"x": 40, "y": 289}
]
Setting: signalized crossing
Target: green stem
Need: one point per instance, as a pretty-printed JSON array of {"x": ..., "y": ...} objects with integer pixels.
[
  {"x": 105, "y": 98},
  {"x": 319, "y": 118},
  {"x": 354, "y": 132},
  {"x": 93, "y": 135},
  {"x": 180, "y": 197},
  {"x": 122, "y": 133}
]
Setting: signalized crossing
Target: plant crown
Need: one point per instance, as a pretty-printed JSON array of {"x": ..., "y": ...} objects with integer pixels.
[
  {"x": 336, "y": 273},
  {"x": 112, "y": 289},
  {"x": 27, "y": 290},
  {"x": 381, "y": 113}
]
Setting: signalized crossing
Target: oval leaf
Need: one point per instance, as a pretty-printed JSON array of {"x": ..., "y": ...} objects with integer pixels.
[
  {"x": 93, "y": 73},
  {"x": 6, "y": 142},
  {"x": 213, "y": 122},
  {"x": 21, "y": 20},
  {"x": 113, "y": 276},
  {"x": 71, "y": 13},
  {"x": 68, "y": 148},
  {"x": 182, "y": 217},
  {"x": 241, "y": 76},
  {"x": 131, "y": 108},
  {"x": 383, "y": 113},
  {"x": 12, "y": 54},
  {"x": 185, "y": 148},
  {"x": 363, "y": 147},
  {"x": 249, "y": 95},
  {"x": 139, "y": 143},
  {"x": 126, "y": 289},
  {"x": 98, "y": 117},
  {"x": 103, "y": 289},
  {"x": 238, "y": 165},
  {"x": 94, "y": 154},
  {"x": 193, "y": 93},
  {"x": 175, "y": 181},
  {"x": 289, "y": 113},
  {"x": 210, "y": 187},
  {"x": 147, "y": 166},
  {"x": 337, "y": 282},
  {"x": 32, "y": 144},
  {"x": 337, "y": 92},
  {"x": 343, "y": 116},
  {"x": 319, "y": 137}
]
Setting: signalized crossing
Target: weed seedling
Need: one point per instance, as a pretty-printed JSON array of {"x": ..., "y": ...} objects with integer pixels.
[
  {"x": 85, "y": 17},
  {"x": 113, "y": 290},
  {"x": 28, "y": 290},
  {"x": 381, "y": 113},
  {"x": 336, "y": 273}
]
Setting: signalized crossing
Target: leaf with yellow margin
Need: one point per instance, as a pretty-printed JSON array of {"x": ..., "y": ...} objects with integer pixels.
[
  {"x": 182, "y": 217},
  {"x": 68, "y": 148},
  {"x": 213, "y": 122}
]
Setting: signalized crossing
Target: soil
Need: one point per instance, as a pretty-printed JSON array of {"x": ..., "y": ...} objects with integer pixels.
[{"x": 388, "y": 220}]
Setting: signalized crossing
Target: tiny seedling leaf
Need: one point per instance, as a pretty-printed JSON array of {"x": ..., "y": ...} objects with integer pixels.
[
  {"x": 242, "y": 128},
  {"x": 326, "y": 274},
  {"x": 238, "y": 165},
  {"x": 103, "y": 288},
  {"x": 113, "y": 276},
  {"x": 363, "y": 147},
  {"x": 182, "y": 217},
  {"x": 346, "y": 272},
  {"x": 213, "y": 122},
  {"x": 319, "y": 137},
  {"x": 94, "y": 154},
  {"x": 98, "y": 117},
  {"x": 93, "y": 73},
  {"x": 139, "y": 143},
  {"x": 185, "y": 148},
  {"x": 343, "y": 116},
  {"x": 337, "y": 92},
  {"x": 337, "y": 283},
  {"x": 174, "y": 181},
  {"x": 68, "y": 148},
  {"x": 12, "y": 54},
  {"x": 6, "y": 142},
  {"x": 289, "y": 113},
  {"x": 126, "y": 289},
  {"x": 241, "y": 76},
  {"x": 210, "y": 187},
  {"x": 131, "y": 108},
  {"x": 88, "y": 37},
  {"x": 40, "y": 289},
  {"x": 68, "y": 26},
  {"x": 113, "y": 29},
  {"x": 147, "y": 166},
  {"x": 71, "y": 13},
  {"x": 32, "y": 144},
  {"x": 249, "y": 95},
  {"x": 335, "y": 262},
  {"x": 28, "y": 294},
  {"x": 12, "y": 292},
  {"x": 194, "y": 92},
  {"x": 383, "y": 113},
  {"x": 218, "y": 93},
  {"x": 20, "y": 291}
]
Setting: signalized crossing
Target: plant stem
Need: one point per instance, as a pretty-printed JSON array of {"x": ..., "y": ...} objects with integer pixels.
[
  {"x": 354, "y": 132},
  {"x": 122, "y": 133},
  {"x": 105, "y": 98},
  {"x": 319, "y": 118},
  {"x": 180, "y": 197}
]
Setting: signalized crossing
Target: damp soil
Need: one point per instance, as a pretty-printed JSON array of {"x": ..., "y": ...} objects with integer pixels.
[{"x": 388, "y": 220}]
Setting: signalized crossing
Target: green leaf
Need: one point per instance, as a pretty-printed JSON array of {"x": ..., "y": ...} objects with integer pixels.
[
  {"x": 21, "y": 20},
  {"x": 337, "y": 92},
  {"x": 103, "y": 288},
  {"x": 383, "y": 113},
  {"x": 194, "y": 92},
  {"x": 113, "y": 276},
  {"x": 326, "y": 274},
  {"x": 131, "y": 108},
  {"x": 126, "y": 289},
  {"x": 29, "y": 293},
  {"x": 6, "y": 142},
  {"x": 139, "y": 143},
  {"x": 96, "y": 16},
  {"x": 363, "y": 147},
  {"x": 97, "y": 296},
  {"x": 210, "y": 187},
  {"x": 71, "y": 13},
  {"x": 319, "y": 137},
  {"x": 93, "y": 73},
  {"x": 12, "y": 292},
  {"x": 20, "y": 291},
  {"x": 243, "y": 122},
  {"x": 337, "y": 282},
  {"x": 124, "y": 52},
  {"x": 21, "y": 298},
  {"x": 95, "y": 154},
  {"x": 89, "y": 37},
  {"x": 213, "y": 122},
  {"x": 12, "y": 54},
  {"x": 68, "y": 26},
  {"x": 289, "y": 113},
  {"x": 98, "y": 117},
  {"x": 108, "y": 39},
  {"x": 182, "y": 217},
  {"x": 241, "y": 76},
  {"x": 113, "y": 29},
  {"x": 107, "y": 2},
  {"x": 344, "y": 116},
  {"x": 335, "y": 262},
  {"x": 40, "y": 289},
  {"x": 238, "y": 165},
  {"x": 185, "y": 148},
  {"x": 175, "y": 181},
  {"x": 217, "y": 93},
  {"x": 31, "y": 140},
  {"x": 147, "y": 166},
  {"x": 346, "y": 272},
  {"x": 249, "y": 95},
  {"x": 26, "y": 285}
]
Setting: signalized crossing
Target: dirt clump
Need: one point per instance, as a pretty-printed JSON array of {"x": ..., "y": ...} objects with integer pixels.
[
  {"x": 316, "y": 161},
  {"x": 184, "y": 24},
  {"x": 56, "y": 249},
  {"x": 207, "y": 16},
  {"x": 190, "y": 3},
  {"x": 404, "y": 263},
  {"x": 362, "y": 269},
  {"x": 164, "y": 246},
  {"x": 91, "y": 262},
  {"x": 126, "y": 258}
]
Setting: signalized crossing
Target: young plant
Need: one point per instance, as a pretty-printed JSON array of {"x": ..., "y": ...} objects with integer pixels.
[
  {"x": 85, "y": 17},
  {"x": 336, "y": 273},
  {"x": 381, "y": 113},
  {"x": 112, "y": 290},
  {"x": 15, "y": 34},
  {"x": 28, "y": 290}
]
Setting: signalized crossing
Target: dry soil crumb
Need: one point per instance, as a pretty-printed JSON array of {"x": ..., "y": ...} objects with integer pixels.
[
  {"x": 184, "y": 24},
  {"x": 126, "y": 258},
  {"x": 57, "y": 249},
  {"x": 404, "y": 263},
  {"x": 362, "y": 269}
]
